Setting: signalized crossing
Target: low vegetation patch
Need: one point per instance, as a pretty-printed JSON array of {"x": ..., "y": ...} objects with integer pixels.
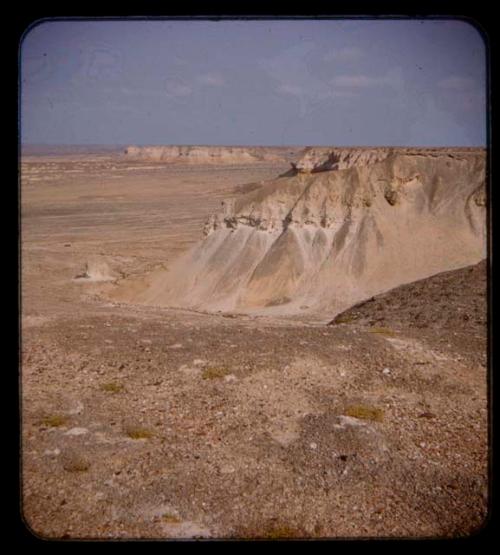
[
  {"x": 138, "y": 432},
  {"x": 112, "y": 387},
  {"x": 214, "y": 372},
  {"x": 76, "y": 464},
  {"x": 382, "y": 331},
  {"x": 54, "y": 421},
  {"x": 365, "y": 412},
  {"x": 344, "y": 319},
  {"x": 170, "y": 518}
]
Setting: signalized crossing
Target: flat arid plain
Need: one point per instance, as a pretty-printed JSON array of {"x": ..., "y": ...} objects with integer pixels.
[{"x": 254, "y": 342}]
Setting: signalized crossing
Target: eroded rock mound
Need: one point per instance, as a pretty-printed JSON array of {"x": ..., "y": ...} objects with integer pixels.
[
  {"x": 320, "y": 242},
  {"x": 97, "y": 269}
]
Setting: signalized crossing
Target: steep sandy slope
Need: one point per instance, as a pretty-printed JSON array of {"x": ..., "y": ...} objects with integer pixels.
[{"x": 317, "y": 243}]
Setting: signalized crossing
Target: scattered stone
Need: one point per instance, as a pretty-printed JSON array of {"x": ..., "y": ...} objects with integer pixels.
[
  {"x": 349, "y": 421},
  {"x": 76, "y": 432},
  {"x": 199, "y": 361},
  {"x": 52, "y": 453},
  {"x": 78, "y": 409},
  {"x": 427, "y": 415},
  {"x": 227, "y": 469}
]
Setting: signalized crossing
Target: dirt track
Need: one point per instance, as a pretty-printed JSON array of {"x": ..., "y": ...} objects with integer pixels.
[{"x": 148, "y": 422}]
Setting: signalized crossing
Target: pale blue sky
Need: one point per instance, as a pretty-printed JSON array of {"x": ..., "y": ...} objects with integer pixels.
[{"x": 271, "y": 82}]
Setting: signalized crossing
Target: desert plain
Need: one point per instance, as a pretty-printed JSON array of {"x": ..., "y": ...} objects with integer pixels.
[{"x": 306, "y": 360}]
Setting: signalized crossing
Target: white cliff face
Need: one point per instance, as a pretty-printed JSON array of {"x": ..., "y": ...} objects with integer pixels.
[
  {"x": 324, "y": 159},
  {"x": 411, "y": 178},
  {"x": 320, "y": 242},
  {"x": 319, "y": 159}
]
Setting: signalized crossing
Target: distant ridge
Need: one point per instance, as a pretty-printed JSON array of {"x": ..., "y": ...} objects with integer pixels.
[{"x": 54, "y": 150}]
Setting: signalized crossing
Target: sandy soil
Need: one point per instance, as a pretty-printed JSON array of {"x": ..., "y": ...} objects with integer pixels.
[{"x": 148, "y": 422}]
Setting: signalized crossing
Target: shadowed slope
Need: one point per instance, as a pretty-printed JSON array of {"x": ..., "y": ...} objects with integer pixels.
[{"x": 455, "y": 299}]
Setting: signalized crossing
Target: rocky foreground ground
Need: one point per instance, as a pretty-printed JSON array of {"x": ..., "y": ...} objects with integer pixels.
[
  {"x": 144, "y": 422},
  {"x": 164, "y": 424}
]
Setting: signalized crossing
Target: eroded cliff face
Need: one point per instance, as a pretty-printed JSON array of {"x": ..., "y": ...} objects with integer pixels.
[
  {"x": 318, "y": 242},
  {"x": 317, "y": 159}
]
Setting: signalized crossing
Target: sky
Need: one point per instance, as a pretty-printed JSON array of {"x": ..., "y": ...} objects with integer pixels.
[{"x": 269, "y": 82}]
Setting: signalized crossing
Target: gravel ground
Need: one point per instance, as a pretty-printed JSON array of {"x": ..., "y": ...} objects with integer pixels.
[{"x": 158, "y": 423}]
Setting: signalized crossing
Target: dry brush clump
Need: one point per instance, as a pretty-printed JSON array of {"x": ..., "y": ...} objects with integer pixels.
[
  {"x": 170, "y": 518},
  {"x": 54, "y": 421},
  {"x": 344, "y": 318},
  {"x": 215, "y": 372},
  {"x": 138, "y": 431},
  {"x": 382, "y": 331},
  {"x": 365, "y": 412},
  {"x": 112, "y": 387},
  {"x": 75, "y": 462}
]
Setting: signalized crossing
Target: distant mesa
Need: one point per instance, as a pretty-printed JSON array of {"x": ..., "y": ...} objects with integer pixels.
[
  {"x": 193, "y": 154},
  {"x": 345, "y": 225}
]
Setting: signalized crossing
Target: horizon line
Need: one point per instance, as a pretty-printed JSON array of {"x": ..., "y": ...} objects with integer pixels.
[{"x": 261, "y": 145}]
